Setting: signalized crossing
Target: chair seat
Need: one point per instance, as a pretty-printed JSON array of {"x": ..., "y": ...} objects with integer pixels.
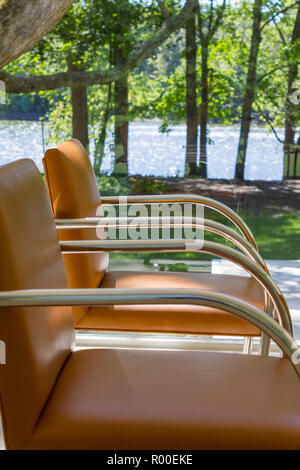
[
  {"x": 124, "y": 399},
  {"x": 188, "y": 319}
]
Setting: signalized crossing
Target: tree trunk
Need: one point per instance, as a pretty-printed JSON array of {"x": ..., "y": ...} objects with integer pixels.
[
  {"x": 100, "y": 145},
  {"x": 191, "y": 98},
  {"x": 249, "y": 90},
  {"x": 80, "y": 118},
  {"x": 121, "y": 117},
  {"x": 204, "y": 109},
  {"x": 291, "y": 101},
  {"x": 24, "y": 22}
]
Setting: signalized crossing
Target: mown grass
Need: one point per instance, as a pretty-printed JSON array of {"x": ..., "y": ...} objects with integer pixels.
[
  {"x": 277, "y": 233},
  {"x": 277, "y": 236}
]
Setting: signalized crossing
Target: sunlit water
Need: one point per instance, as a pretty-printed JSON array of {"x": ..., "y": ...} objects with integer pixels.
[{"x": 154, "y": 153}]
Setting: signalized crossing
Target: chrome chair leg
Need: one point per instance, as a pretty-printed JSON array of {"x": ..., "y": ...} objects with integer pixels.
[
  {"x": 265, "y": 342},
  {"x": 247, "y": 349}
]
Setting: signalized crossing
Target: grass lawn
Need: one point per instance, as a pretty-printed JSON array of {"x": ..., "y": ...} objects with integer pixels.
[
  {"x": 277, "y": 233},
  {"x": 277, "y": 236}
]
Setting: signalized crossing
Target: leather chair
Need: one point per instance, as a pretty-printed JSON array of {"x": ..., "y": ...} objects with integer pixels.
[
  {"x": 74, "y": 194},
  {"x": 53, "y": 397}
]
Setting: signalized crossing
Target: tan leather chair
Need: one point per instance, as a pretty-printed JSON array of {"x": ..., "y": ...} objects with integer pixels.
[
  {"x": 54, "y": 398},
  {"x": 74, "y": 194}
]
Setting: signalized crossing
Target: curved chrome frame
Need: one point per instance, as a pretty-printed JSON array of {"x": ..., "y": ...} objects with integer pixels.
[
  {"x": 189, "y": 222},
  {"x": 241, "y": 241},
  {"x": 180, "y": 198},
  {"x": 73, "y": 297},
  {"x": 184, "y": 198},
  {"x": 217, "y": 249},
  {"x": 192, "y": 222}
]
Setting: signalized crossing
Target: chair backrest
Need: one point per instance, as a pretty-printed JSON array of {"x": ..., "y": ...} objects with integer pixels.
[
  {"x": 74, "y": 193},
  {"x": 37, "y": 340}
]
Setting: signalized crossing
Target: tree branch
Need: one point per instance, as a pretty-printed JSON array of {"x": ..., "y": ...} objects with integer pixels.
[
  {"x": 210, "y": 16},
  {"x": 163, "y": 9},
  {"x": 200, "y": 22},
  {"x": 268, "y": 121},
  {"x": 32, "y": 83},
  {"x": 24, "y": 22},
  {"x": 278, "y": 13},
  {"x": 220, "y": 13},
  {"x": 279, "y": 67},
  {"x": 279, "y": 32}
]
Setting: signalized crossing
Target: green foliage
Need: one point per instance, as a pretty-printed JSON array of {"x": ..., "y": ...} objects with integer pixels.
[
  {"x": 178, "y": 267},
  {"x": 228, "y": 61},
  {"x": 123, "y": 185},
  {"x": 112, "y": 186},
  {"x": 92, "y": 30},
  {"x": 273, "y": 67},
  {"x": 140, "y": 185}
]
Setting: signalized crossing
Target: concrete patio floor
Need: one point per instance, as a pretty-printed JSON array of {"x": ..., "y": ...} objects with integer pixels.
[{"x": 286, "y": 274}]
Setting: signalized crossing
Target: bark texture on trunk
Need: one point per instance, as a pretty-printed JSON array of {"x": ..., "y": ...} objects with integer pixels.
[
  {"x": 204, "y": 110},
  {"x": 291, "y": 100},
  {"x": 207, "y": 28},
  {"x": 121, "y": 116},
  {"x": 191, "y": 97},
  {"x": 80, "y": 118},
  {"x": 249, "y": 90},
  {"x": 100, "y": 144},
  {"x": 24, "y": 22}
]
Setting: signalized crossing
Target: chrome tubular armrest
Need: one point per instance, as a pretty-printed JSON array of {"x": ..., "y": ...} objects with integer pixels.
[
  {"x": 75, "y": 297},
  {"x": 213, "y": 248},
  {"x": 83, "y": 222},
  {"x": 194, "y": 199},
  {"x": 175, "y": 222},
  {"x": 191, "y": 222}
]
